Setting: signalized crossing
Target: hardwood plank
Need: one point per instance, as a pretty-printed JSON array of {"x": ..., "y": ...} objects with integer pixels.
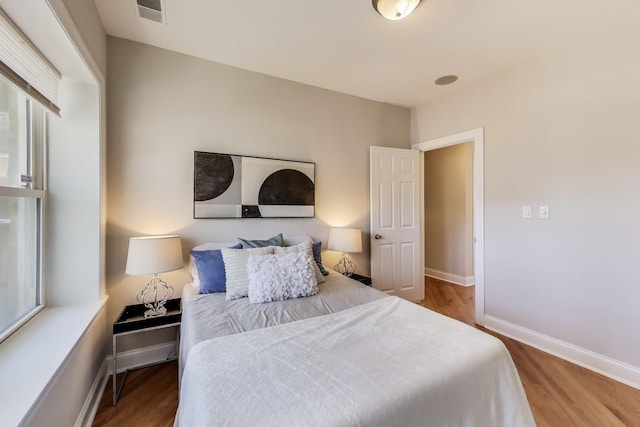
[{"x": 560, "y": 393}]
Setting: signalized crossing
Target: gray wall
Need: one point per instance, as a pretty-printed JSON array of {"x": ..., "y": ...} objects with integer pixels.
[
  {"x": 163, "y": 105},
  {"x": 560, "y": 131}
]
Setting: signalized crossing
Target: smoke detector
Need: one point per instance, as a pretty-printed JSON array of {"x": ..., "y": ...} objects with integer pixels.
[{"x": 152, "y": 10}]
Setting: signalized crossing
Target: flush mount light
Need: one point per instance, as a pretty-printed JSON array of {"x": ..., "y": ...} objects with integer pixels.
[
  {"x": 445, "y": 80},
  {"x": 395, "y": 9}
]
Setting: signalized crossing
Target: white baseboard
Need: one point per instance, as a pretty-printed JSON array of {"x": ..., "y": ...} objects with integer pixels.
[
  {"x": 599, "y": 363},
  {"x": 142, "y": 356},
  {"x": 91, "y": 403},
  {"x": 449, "y": 277}
]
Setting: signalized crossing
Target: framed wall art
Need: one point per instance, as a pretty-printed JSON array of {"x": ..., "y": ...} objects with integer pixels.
[{"x": 231, "y": 186}]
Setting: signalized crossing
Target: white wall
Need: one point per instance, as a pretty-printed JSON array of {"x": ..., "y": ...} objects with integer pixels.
[
  {"x": 88, "y": 23},
  {"x": 72, "y": 272},
  {"x": 448, "y": 205},
  {"x": 163, "y": 105},
  {"x": 63, "y": 401},
  {"x": 560, "y": 131}
]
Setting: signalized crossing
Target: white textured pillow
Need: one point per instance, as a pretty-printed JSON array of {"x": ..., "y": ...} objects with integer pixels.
[
  {"x": 280, "y": 277},
  {"x": 235, "y": 267},
  {"x": 304, "y": 247}
]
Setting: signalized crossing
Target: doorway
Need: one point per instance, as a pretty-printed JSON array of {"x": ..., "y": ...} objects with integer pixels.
[
  {"x": 476, "y": 138},
  {"x": 448, "y": 213}
]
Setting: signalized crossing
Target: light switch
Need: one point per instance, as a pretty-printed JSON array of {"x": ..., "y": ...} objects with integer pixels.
[
  {"x": 544, "y": 212},
  {"x": 526, "y": 212}
]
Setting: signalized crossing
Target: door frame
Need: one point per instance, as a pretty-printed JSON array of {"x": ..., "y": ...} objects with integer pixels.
[{"x": 476, "y": 137}]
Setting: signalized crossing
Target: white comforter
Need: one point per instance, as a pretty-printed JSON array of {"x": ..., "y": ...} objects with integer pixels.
[
  {"x": 384, "y": 363},
  {"x": 210, "y": 316}
]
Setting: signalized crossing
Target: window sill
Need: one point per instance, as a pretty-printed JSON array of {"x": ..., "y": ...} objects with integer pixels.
[{"x": 30, "y": 358}]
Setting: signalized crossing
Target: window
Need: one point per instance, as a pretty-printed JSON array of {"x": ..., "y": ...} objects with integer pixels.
[{"x": 22, "y": 200}]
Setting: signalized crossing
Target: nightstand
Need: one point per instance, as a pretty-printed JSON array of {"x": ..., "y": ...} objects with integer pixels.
[
  {"x": 132, "y": 321},
  {"x": 362, "y": 279}
]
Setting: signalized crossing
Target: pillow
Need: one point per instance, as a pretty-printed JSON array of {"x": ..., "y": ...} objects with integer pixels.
[
  {"x": 304, "y": 247},
  {"x": 280, "y": 276},
  {"x": 235, "y": 266},
  {"x": 316, "y": 247},
  {"x": 294, "y": 240},
  {"x": 210, "y": 268},
  {"x": 272, "y": 241},
  {"x": 193, "y": 269}
]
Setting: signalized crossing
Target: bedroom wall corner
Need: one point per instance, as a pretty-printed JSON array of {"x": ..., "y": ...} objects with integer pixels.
[{"x": 163, "y": 106}]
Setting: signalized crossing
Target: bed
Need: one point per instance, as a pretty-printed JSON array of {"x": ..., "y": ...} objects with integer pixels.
[
  {"x": 210, "y": 315},
  {"x": 346, "y": 356}
]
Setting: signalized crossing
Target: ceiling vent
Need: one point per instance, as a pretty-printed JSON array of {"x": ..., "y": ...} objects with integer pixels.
[{"x": 151, "y": 10}]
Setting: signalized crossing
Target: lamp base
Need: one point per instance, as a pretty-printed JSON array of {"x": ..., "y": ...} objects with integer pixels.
[
  {"x": 155, "y": 306},
  {"x": 345, "y": 266},
  {"x": 161, "y": 311}
]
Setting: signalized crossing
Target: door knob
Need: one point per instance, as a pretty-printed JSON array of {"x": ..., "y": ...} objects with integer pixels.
[{"x": 377, "y": 237}]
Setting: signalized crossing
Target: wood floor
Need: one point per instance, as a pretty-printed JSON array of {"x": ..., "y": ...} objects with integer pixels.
[
  {"x": 149, "y": 398},
  {"x": 560, "y": 393}
]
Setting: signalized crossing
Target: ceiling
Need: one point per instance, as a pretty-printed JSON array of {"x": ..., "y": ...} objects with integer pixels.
[{"x": 345, "y": 46}]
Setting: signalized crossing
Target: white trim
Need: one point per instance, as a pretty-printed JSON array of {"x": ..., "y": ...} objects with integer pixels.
[
  {"x": 596, "y": 362},
  {"x": 143, "y": 356},
  {"x": 476, "y": 136},
  {"x": 449, "y": 277},
  {"x": 92, "y": 402},
  {"x": 22, "y": 192}
]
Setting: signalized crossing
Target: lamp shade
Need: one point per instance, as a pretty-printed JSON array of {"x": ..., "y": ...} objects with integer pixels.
[
  {"x": 395, "y": 9},
  {"x": 153, "y": 255},
  {"x": 345, "y": 240}
]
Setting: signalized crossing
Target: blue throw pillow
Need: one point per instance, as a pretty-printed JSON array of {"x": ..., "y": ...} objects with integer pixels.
[
  {"x": 316, "y": 247},
  {"x": 211, "y": 270},
  {"x": 273, "y": 241}
]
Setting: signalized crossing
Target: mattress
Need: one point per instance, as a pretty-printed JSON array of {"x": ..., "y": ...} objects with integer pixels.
[
  {"x": 210, "y": 315},
  {"x": 388, "y": 362}
]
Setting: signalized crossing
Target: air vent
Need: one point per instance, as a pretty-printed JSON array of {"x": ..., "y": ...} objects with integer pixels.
[{"x": 151, "y": 10}]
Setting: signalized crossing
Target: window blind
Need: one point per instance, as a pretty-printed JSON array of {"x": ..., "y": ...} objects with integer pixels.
[{"x": 23, "y": 64}]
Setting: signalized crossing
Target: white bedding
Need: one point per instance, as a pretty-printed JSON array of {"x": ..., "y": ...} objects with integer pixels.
[
  {"x": 385, "y": 363},
  {"x": 210, "y": 315}
]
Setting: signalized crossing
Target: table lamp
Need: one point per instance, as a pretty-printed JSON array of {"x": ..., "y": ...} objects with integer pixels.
[
  {"x": 345, "y": 240},
  {"x": 154, "y": 255}
]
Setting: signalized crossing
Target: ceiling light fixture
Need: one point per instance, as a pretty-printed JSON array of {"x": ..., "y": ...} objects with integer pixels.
[{"x": 395, "y": 9}]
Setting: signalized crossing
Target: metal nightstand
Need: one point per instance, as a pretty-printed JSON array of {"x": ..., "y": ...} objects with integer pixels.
[{"x": 131, "y": 321}]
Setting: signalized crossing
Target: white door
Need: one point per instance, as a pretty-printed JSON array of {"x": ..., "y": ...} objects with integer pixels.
[{"x": 396, "y": 259}]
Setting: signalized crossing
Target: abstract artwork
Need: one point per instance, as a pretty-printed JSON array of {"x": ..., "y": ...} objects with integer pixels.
[{"x": 230, "y": 186}]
